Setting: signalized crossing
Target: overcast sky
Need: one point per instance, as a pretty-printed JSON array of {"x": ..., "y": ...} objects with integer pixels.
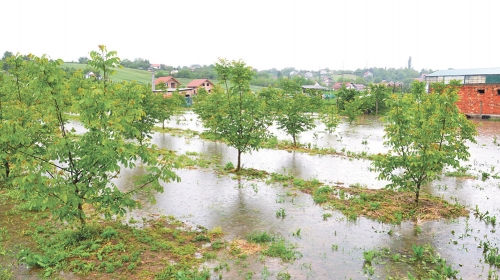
[{"x": 308, "y": 35}]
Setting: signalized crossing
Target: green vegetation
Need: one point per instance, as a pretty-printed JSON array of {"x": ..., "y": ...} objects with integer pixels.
[
  {"x": 55, "y": 168},
  {"x": 426, "y": 133},
  {"x": 292, "y": 106},
  {"x": 422, "y": 263},
  {"x": 275, "y": 247},
  {"x": 234, "y": 112},
  {"x": 110, "y": 249},
  {"x": 122, "y": 74}
]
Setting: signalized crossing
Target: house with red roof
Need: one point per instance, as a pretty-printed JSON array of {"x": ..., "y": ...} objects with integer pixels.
[
  {"x": 201, "y": 83},
  {"x": 347, "y": 85},
  {"x": 169, "y": 81}
]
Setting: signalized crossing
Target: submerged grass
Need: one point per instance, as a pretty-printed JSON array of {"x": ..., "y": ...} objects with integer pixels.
[
  {"x": 420, "y": 262},
  {"x": 383, "y": 205}
]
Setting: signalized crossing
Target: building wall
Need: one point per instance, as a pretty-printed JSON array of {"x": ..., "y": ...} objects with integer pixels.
[
  {"x": 474, "y": 101},
  {"x": 206, "y": 85}
]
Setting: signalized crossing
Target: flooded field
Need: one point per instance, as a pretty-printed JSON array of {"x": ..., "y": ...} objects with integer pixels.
[{"x": 331, "y": 248}]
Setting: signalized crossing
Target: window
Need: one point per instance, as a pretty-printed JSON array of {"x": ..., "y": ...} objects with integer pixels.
[
  {"x": 172, "y": 85},
  {"x": 480, "y": 91},
  {"x": 498, "y": 91},
  {"x": 475, "y": 79}
]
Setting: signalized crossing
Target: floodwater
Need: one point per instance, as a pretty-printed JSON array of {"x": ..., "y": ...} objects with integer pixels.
[{"x": 242, "y": 207}]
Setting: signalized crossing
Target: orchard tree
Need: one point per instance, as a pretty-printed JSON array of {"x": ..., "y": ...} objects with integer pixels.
[
  {"x": 330, "y": 117},
  {"x": 294, "y": 109},
  {"x": 353, "y": 109},
  {"x": 69, "y": 169},
  {"x": 425, "y": 132},
  {"x": 25, "y": 126},
  {"x": 379, "y": 93},
  {"x": 163, "y": 106},
  {"x": 345, "y": 95},
  {"x": 232, "y": 111}
]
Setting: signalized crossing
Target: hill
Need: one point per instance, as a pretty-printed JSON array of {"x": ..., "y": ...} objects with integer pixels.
[{"x": 122, "y": 74}]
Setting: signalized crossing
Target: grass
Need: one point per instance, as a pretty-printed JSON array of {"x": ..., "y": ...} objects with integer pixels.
[
  {"x": 423, "y": 261},
  {"x": 141, "y": 76},
  {"x": 122, "y": 74},
  {"x": 383, "y": 205},
  {"x": 164, "y": 248}
]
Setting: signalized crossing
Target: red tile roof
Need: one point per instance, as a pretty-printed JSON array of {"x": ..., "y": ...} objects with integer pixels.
[
  {"x": 198, "y": 82},
  {"x": 165, "y": 80},
  {"x": 338, "y": 85}
]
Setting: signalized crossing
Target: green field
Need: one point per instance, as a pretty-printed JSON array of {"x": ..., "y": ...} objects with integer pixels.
[
  {"x": 123, "y": 74},
  {"x": 141, "y": 76}
]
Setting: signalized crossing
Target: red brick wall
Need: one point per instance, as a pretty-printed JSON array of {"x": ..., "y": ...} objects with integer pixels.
[{"x": 471, "y": 100}]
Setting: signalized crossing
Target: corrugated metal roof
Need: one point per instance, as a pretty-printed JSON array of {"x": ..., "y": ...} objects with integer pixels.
[
  {"x": 466, "y": 72},
  {"x": 315, "y": 87}
]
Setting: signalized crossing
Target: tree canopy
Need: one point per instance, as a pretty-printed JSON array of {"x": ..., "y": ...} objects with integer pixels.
[
  {"x": 232, "y": 111},
  {"x": 425, "y": 132},
  {"x": 56, "y": 167}
]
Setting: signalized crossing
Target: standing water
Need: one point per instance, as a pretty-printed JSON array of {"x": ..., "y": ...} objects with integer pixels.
[{"x": 331, "y": 248}]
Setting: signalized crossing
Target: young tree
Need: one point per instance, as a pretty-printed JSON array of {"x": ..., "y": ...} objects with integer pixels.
[
  {"x": 330, "y": 117},
  {"x": 24, "y": 122},
  {"x": 294, "y": 107},
  {"x": 232, "y": 111},
  {"x": 345, "y": 95},
  {"x": 68, "y": 169},
  {"x": 379, "y": 93},
  {"x": 353, "y": 109},
  {"x": 426, "y": 132}
]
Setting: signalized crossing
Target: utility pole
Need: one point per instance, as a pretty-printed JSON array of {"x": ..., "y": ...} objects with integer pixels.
[{"x": 152, "y": 78}]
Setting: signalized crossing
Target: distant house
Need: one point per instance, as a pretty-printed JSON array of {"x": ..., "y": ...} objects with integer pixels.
[
  {"x": 327, "y": 80},
  {"x": 314, "y": 87},
  {"x": 174, "y": 72},
  {"x": 359, "y": 87},
  {"x": 480, "y": 91},
  {"x": 293, "y": 73},
  {"x": 338, "y": 85},
  {"x": 323, "y": 72},
  {"x": 200, "y": 83},
  {"x": 368, "y": 75},
  {"x": 308, "y": 75},
  {"x": 169, "y": 81},
  {"x": 155, "y": 66}
]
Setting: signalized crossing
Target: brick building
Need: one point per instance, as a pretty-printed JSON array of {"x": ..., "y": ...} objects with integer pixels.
[{"x": 480, "y": 92}]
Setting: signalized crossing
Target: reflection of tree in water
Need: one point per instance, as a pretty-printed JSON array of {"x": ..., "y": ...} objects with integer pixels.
[
  {"x": 292, "y": 165},
  {"x": 163, "y": 140}
]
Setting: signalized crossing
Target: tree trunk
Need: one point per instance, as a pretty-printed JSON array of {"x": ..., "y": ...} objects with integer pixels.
[
  {"x": 417, "y": 194},
  {"x": 238, "y": 167},
  {"x": 7, "y": 169},
  {"x": 81, "y": 214},
  {"x": 294, "y": 141},
  {"x": 376, "y": 107}
]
